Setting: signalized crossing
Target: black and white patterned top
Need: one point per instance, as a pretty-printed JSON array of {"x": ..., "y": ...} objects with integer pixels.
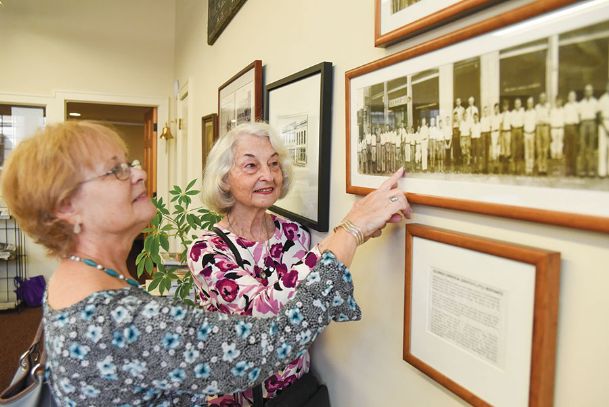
[{"x": 125, "y": 347}]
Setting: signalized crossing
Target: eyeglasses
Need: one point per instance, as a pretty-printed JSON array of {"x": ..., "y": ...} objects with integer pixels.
[{"x": 122, "y": 171}]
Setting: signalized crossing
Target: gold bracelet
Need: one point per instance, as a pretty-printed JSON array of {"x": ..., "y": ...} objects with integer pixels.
[{"x": 353, "y": 230}]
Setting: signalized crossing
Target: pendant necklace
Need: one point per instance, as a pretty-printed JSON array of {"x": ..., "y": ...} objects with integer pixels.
[
  {"x": 108, "y": 271},
  {"x": 267, "y": 271}
]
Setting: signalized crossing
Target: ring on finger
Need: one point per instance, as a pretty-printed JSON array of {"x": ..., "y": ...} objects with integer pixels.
[{"x": 394, "y": 198}]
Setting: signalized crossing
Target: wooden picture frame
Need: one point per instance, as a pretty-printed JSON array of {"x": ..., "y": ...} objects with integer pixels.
[
  {"x": 219, "y": 15},
  {"x": 394, "y": 22},
  {"x": 299, "y": 107},
  {"x": 209, "y": 135},
  {"x": 462, "y": 293},
  {"x": 380, "y": 94},
  {"x": 240, "y": 98}
]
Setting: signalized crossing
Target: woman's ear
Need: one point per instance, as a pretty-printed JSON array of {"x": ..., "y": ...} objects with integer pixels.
[
  {"x": 69, "y": 214},
  {"x": 66, "y": 211}
]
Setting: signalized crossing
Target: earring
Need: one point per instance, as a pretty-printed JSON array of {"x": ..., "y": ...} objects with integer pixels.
[{"x": 77, "y": 229}]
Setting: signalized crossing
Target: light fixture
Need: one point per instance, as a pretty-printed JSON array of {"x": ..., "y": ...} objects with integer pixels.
[
  {"x": 166, "y": 133},
  {"x": 74, "y": 114}
]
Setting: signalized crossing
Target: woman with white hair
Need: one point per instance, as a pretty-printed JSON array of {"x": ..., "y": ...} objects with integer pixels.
[{"x": 253, "y": 262}]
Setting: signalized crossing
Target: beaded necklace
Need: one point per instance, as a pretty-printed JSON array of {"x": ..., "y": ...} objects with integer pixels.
[{"x": 108, "y": 271}]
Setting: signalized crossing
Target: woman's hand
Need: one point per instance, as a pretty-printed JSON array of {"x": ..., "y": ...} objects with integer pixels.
[{"x": 387, "y": 204}]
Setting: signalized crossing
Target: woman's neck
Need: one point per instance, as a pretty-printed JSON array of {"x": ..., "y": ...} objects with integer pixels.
[
  {"x": 109, "y": 252},
  {"x": 252, "y": 224}
]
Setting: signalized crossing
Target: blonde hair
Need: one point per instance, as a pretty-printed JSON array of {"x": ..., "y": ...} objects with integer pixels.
[
  {"x": 216, "y": 192},
  {"x": 45, "y": 170}
]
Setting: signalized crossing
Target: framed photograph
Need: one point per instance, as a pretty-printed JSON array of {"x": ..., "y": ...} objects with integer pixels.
[
  {"x": 396, "y": 20},
  {"x": 209, "y": 129},
  {"x": 240, "y": 98},
  {"x": 299, "y": 107},
  {"x": 219, "y": 14},
  {"x": 512, "y": 121},
  {"x": 480, "y": 316}
]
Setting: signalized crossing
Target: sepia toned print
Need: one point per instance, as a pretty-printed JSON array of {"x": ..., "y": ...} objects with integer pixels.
[
  {"x": 534, "y": 114},
  {"x": 399, "y": 5}
]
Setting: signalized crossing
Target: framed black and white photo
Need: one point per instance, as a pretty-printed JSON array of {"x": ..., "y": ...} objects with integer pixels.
[
  {"x": 500, "y": 119},
  {"x": 240, "y": 98},
  {"x": 396, "y": 20},
  {"x": 299, "y": 107},
  {"x": 480, "y": 316}
]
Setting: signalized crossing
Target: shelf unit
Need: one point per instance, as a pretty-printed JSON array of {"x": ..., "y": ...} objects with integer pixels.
[{"x": 12, "y": 260}]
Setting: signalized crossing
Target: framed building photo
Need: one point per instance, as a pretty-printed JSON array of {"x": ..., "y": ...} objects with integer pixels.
[
  {"x": 209, "y": 129},
  {"x": 240, "y": 98},
  {"x": 511, "y": 121},
  {"x": 396, "y": 20},
  {"x": 219, "y": 14},
  {"x": 480, "y": 316},
  {"x": 299, "y": 107}
]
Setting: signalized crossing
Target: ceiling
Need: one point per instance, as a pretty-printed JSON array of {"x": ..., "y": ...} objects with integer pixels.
[{"x": 116, "y": 114}]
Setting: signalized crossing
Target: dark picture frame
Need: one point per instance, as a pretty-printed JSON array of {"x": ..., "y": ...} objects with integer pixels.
[
  {"x": 209, "y": 135},
  {"x": 404, "y": 25},
  {"x": 486, "y": 333},
  {"x": 219, "y": 15},
  {"x": 240, "y": 98},
  {"x": 554, "y": 194},
  {"x": 299, "y": 107}
]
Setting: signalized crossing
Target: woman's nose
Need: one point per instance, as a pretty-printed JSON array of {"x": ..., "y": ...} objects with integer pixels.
[
  {"x": 265, "y": 172},
  {"x": 138, "y": 174}
]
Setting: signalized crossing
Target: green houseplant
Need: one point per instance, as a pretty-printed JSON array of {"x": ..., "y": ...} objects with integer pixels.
[{"x": 174, "y": 219}]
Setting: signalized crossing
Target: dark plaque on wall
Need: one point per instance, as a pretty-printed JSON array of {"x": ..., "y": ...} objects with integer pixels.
[{"x": 219, "y": 14}]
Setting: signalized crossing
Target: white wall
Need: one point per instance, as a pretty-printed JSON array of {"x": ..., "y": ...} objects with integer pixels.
[
  {"x": 362, "y": 362},
  {"x": 107, "y": 51}
]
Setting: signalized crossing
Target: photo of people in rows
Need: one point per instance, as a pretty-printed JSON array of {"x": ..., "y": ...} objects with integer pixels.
[{"x": 532, "y": 136}]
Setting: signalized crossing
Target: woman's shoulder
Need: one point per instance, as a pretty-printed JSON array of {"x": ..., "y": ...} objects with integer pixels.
[{"x": 98, "y": 298}]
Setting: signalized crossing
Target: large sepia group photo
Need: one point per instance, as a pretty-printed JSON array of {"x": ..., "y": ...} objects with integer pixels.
[{"x": 529, "y": 114}]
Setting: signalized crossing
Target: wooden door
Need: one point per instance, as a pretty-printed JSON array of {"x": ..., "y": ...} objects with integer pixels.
[{"x": 150, "y": 141}]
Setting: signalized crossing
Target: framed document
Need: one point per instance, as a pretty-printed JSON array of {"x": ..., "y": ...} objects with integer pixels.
[
  {"x": 219, "y": 14},
  {"x": 299, "y": 107},
  {"x": 209, "y": 129},
  {"x": 396, "y": 20},
  {"x": 508, "y": 117},
  {"x": 240, "y": 98},
  {"x": 480, "y": 316}
]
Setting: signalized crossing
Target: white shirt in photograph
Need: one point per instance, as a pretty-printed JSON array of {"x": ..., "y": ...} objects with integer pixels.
[
  {"x": 517, "y": 117},
  {"x": 587, "y": 109},
  {"x": 603, "y": 106},
  {"x": 448, "y": 133},
  {"x": 543, "y": 113},
  {"x": 530, "y": 120},
  {"x": 465, "y": 128},
  {"x": 476, "y": 130},
  {"x": 496, "y": 122},
  {"x": 506, "y": 121},
  {"x": 557, "y": 117},
  {"x": 571, "y": 113},
  {"x": 460, "y": 110},
  {"x": 485, "y": 124},
  {"x": 470, "y": 111}
]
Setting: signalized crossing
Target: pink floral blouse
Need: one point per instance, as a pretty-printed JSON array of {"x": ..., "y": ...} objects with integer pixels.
[{"x": 272, "y": 272}]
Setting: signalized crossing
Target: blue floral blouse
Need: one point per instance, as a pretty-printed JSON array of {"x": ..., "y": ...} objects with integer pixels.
[{"x": 125, "y": 347}]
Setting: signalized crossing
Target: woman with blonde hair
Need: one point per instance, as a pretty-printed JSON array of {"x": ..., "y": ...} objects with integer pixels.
[{"x": 72, "y": 189}]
